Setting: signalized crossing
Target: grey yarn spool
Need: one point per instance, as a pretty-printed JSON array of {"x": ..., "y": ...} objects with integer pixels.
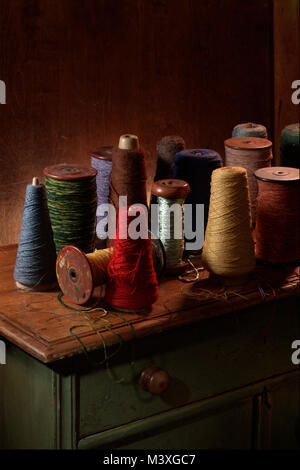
[
  {"x": 167, "y": 148},
  {"x": 250, "y": 129}
]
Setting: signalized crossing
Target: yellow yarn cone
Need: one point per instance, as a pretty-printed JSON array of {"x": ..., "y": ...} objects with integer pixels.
[{"x": 228, "y": 249}]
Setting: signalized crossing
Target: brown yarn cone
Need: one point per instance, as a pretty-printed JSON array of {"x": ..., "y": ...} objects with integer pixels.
[{"x": 228, "y": 249}]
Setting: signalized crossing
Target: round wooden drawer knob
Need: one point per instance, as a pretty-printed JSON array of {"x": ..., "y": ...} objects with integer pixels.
[{"x": 154, "y": 380}]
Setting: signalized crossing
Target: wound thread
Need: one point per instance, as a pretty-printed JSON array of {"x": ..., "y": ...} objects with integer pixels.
[
  {"x": 251, "y": 153},
  {"x": 35, "y": 262},
  {"x": 250, "y": 129},
  {"x": 72, "y": 202},
  {"x": 277, "y": 230},
  {"x": 228, "y": 249}
]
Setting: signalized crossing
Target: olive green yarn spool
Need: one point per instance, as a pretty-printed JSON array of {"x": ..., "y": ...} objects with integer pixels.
[
  {"x": 290, "y": 146},
  {"x": 72, "y": 203}
]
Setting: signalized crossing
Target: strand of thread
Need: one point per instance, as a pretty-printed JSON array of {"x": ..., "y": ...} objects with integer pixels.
[
  {"x": 277, "y": 228},
  {"x": 172, "y": 240},
  {"x": 228, "y": 249},
  {"x": 72, "y": 208},
  {"x": 167, "y": 148},
  {"x": 35, "y": 262},
  {"x": 132, "y": 283},
  {"x": 250, "y": 129},
  {"x": 252, "y": 159}
]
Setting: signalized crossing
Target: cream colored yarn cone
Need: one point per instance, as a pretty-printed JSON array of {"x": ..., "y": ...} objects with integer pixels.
[{"x": 228, "y": 249}]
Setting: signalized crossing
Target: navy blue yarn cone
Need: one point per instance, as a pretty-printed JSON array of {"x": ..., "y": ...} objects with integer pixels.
[
  {"x": 195, "y": 166},
  {"x": 36, "y": 256}
]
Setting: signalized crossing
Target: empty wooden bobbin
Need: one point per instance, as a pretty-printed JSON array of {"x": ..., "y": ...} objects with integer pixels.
[
  {"x": 251, "y": 153},
  {"x": 77, "y": 279},
  {"x": 171, "y": 189}
]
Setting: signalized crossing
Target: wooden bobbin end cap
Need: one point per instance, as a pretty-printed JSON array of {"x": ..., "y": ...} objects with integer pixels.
[
  {"x": 102, "y": 153},
  {"x": 171, "y": 189},
  {"x": 74, "y": 274},
  {"x": 277, "y": 174},
  {"x": 69, "y": 172},
  {"x": 129, "y": 142},
  {"x": 38, "y": 288},
  {"x": 248, "y": 143}
]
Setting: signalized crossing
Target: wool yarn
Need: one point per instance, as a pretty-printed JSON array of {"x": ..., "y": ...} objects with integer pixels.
[
  {"x": 290, "y": 146},
  {"x": 128, "y": 176},
  {"x": 228, "y": 249},
  {"x": 132, "y": 283},
  {"x": 250, "y": 129},
  {"x": 36, "y": 256},
  {"x": 195, "y": 166},
  {"x": 101, "y": 160},
  {"x": 167, "y": 148},
  {"x": 72, "y": 202},
  {"x": 277, "y": 230},
  {"x": 251, "y": 153}
]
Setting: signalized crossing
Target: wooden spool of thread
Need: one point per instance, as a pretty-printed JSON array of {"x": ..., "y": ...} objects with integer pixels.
[
  {"x": 72, "y": 202},
  {"x": 250, "y": 129},
  {"x": 167, "y": 147},
  {"x": 251, "y": 153},
  {"x": 290, "y": 146},
  {"x": 128, "y": 176},
  {"x": 35, "y": 262},
  {"x": 228, "y": 249},
  {"x": 101, "y": 160},
  {"x": 78, "y": 274},
  {"x": 277, "y": 228},
  {"x": 169, "y": 192}
]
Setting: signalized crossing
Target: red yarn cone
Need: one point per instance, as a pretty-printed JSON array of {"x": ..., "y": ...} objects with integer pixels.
[{"x": 132, "y": 283}]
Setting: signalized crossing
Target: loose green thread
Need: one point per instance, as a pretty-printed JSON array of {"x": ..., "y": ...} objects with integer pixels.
[{"x": 72, "y": 208}]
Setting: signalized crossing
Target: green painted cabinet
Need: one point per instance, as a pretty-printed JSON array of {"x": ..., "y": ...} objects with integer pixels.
[{"x": 233, "y": 385}]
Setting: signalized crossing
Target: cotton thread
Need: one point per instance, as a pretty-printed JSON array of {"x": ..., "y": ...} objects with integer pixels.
[
  {"x": 35, "y": 262},
  {"x": 277, "y": 229},
  {"x": 171, "y": 194},
  {"x": 167, "y": 148},
  {"x": 250, "y": 129},
  {"x": 101, "y": 160},
  {"x": 195, "y": 166},
  {"x": 228, "y": 249},
  {"x": 290, "y": 146},
  {"x": 72, "y": 207},
  {"x": 251, "y": 153},
  {"x": 132, "y": 283}
]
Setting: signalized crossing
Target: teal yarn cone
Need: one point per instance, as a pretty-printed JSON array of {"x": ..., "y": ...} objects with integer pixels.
[
  {"x": 250, "y": 129},
  {"x": 36, "y": 256},
  {"x": 290, "y": 146}
]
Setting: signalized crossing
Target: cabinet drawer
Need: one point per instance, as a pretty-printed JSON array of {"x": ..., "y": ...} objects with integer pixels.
[{"x": 203, "y": 360}]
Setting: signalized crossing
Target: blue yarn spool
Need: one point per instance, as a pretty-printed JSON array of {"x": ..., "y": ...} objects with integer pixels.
[
  {"x": 36, "y": 256},
  {"x": 195, "y": 167},
  {"x": 101, "y": 160},
  {"x": 250, "y": 129}
]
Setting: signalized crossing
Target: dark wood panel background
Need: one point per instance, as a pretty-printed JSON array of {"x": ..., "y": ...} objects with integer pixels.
[{"x": 80, "y": 73}]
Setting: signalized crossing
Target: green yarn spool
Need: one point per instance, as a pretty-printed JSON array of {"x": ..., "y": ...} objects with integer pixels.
[
  {"x": 72, "y": 203},
  {"x": 290, "y": 146}
]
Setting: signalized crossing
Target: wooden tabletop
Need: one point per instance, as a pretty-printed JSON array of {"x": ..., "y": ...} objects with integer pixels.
[{"x": 40, "y": 325}]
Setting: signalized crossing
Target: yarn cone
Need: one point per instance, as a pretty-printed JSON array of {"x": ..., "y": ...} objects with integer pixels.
[
  {"x": 36, "y": 256},
  {"x": 228, "y": 249},
  {"x": 132, "y": 283}
]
